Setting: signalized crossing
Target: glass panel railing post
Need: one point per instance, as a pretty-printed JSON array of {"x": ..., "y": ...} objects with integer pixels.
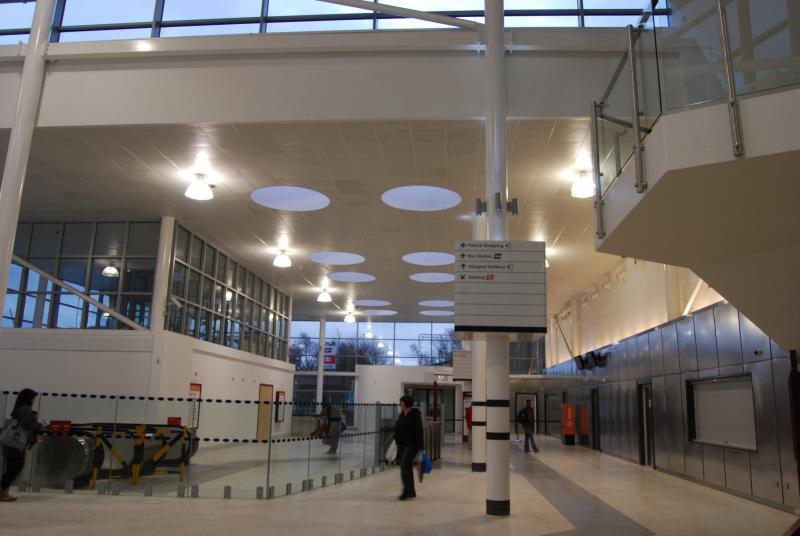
[
  {"x": 600, "y": 229},
  {"x": 727, "y": 64},
  {"x": 641, "y": 184}
]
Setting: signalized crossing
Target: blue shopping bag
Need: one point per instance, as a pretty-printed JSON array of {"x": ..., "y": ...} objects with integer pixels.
[{"x": 427, "y": 464}]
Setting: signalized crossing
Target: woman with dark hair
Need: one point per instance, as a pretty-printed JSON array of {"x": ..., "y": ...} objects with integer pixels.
[
  {"x": 410, "y": 438},
  {"x": 24, "y": 426}
]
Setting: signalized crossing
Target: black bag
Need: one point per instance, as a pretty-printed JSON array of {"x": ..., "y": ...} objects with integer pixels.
[{"x": 521, "y": 416}]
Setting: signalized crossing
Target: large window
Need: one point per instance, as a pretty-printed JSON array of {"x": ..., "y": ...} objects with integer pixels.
[
  {"x": 87, "y": 20},
  {"x": 112, "y": 262},
  {"x": 215, "y": 299},
  {"x": 372, "y": 343}
]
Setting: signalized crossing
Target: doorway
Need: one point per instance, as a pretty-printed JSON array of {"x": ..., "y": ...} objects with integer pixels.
[
  {"x": 596, "y": 419},
  {"x": 444, "y": 400},
  {"x": 265, "y": 402},
  {"x": 646, "y": 451}
]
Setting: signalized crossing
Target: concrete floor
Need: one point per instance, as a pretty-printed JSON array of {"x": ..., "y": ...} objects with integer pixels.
[{"x": 561, "y": 491}]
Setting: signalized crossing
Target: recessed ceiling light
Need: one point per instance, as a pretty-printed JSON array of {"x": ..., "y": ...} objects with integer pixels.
[
  {"x": 378, "y": 312},
  {"x": 373, "y": 303},
  {"x": 433, "y": 277},
  {"x": 437, "y": 312},
  {"x": 336, "y": 258},
  {"x": 290, "y": 198},
  {"x": 351, "y": 277},
  {"x": 437, "y": 303},
  {"x": 421, "y": 198},
  {"x": 430, "y": 258}
]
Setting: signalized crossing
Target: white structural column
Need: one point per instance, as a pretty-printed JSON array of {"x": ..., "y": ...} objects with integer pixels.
[
  {"x": 479, "y": 378},
  {"x": 321, "y": 362},
  {"x": 498, "y": 491},
  {"x": 479, "y": 404},
  {"x": 158, "y": 310},
  {"x": 19, "y": 145}
]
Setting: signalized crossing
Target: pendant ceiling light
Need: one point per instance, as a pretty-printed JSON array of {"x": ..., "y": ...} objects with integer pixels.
[
  {"x": 350, "y": 319},
  {"x": 199, "y": 189},
  {"x": 324, "y": 296},
  {"x": 583, "y": 187},
  {"x": 110, "y": 271},
  {"x": 202, "y": 178},
  {"x": 282, "y": 260}
]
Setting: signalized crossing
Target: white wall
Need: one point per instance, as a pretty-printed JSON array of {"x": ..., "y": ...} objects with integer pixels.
[
  {"x": 634, "y": 297},
  {"x": 76, "y": 361},
  {"x": 141, "y": 363},
  {"x": 384, "y": 383}
]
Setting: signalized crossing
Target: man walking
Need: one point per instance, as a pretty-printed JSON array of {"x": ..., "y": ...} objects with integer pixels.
[
  {"x": 410, "y": 438},
  {"x": 528, "y": 420}
]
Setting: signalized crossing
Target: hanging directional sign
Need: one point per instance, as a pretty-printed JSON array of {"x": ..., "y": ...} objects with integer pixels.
[{"x": 500, "y": 286}]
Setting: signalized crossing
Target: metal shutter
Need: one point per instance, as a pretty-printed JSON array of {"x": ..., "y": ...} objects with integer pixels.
[{"x": 724, "y": 413}]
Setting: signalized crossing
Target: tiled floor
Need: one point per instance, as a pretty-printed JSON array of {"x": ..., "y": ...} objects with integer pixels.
[{"x": 562, "y": 490}]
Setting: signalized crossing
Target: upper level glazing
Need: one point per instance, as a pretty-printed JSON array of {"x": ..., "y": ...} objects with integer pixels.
[{"x": 89, "y": 20}]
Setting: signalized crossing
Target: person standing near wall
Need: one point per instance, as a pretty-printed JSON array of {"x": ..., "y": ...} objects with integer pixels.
[
  {"x": 410, "y": 439},
  {"x": 528, "y": 420},
  {"x": 18, "y": 435}
]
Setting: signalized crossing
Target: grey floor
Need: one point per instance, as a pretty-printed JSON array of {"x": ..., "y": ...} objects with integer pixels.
[{"x": 561, "y": 490}]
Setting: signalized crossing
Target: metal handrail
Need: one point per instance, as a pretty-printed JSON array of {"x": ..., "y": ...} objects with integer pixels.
[
  {"x": 61, "y": 284},
  {"x": 641, "y": 183}
]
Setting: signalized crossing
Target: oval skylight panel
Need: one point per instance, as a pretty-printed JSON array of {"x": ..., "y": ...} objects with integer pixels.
[
  {"x": 433, "y": 277},
  {"x": 430, "y": 258},
  {"x": 336, "y": 258},
  {"x": 372, "y": 303},
  {"x": 437, "y": 312},
  {"x": 290, "y": 198},
  {"x": 421, "y": 198},
  {"x": 379, "y": 312},
  {"x": 351, "y": 277},
  {"x": 437, "y": 303}
]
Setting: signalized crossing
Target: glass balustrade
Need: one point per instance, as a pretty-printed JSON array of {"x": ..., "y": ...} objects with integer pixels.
[{"x": 209, "y": 448}]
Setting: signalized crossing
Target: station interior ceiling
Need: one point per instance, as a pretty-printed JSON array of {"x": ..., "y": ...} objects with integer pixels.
[{"x": 135, "y": 173}]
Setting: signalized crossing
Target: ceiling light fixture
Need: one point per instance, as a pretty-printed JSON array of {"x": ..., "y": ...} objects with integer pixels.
[
  {"x": 324, "y": 295},
  {"x": 200, "y": 189},
  {"x": 350, "y": 319},
  {"x": 110, "y": 271},
  {"x": 583, "y": 187},
  {"x": 228, "y": 295},
  {"x": 282, "y": 260},
  {"x": 381, "y": 345},
  {"x": 369, "y": 335}
]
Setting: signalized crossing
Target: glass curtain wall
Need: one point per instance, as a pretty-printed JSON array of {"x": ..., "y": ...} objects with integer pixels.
[
  {"x": 372, "y": 343},
  {"x": 89, "y": 20},
  {"x": 214, "y": 298},
  {"x": 112, "y": 262}
]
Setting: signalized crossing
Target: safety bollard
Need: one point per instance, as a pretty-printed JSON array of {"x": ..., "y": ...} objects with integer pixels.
[
  {"x": 148, "y": 489},
  {"x": 352, "y": 475},
  {"x": 181, "y": 490},
  {"x": 195, "y": 491},
  {"x": 288, "y": 488},
  {"x": 69, "y": 487},
  {"x": 115, "y": 489},
  {"x": 310, "y": 484},
  {"x": 226, "y": 493},
  {"x": 260, "y": 493},
  {"x": 271, "y": 492},
  {"x": 304, "y": 485},
  {"x": 363, "y": 472},
  {"x": 324, "y": 481},
  {"x": 338, "y": 478}
]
